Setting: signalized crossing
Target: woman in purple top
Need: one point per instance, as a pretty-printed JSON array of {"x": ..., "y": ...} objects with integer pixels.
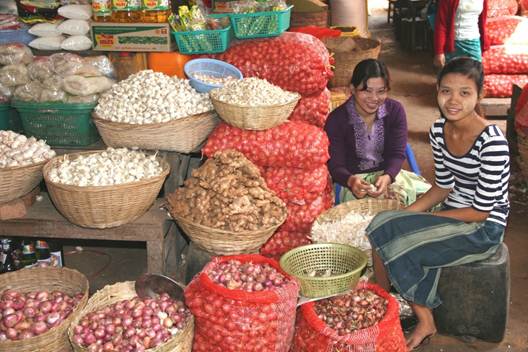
[{"x": 368, "y": 135}]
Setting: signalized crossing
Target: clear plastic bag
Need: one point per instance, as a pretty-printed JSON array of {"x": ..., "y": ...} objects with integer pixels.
[
  {"x": 29, "y": 92},
  {"x": 52, "y": 95},
  {"x": 14, "y": 75},
  {"x": 88, "y": 99},
  {"x": 54, "y": 82},
  {"x": 40, "y": 69},
  {"x": 82, "y": 86},
  {"x": 66, "y": 64},
  {"x": 15, "y": 53},
  {"x": 101, "y": 62}
]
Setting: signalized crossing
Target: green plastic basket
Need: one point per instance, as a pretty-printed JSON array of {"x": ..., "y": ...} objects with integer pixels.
[
  {"x": 345, "y": 262},
  {"x": 260, "y": 24},
  {"x": 58, "y": 124},
  {"x": 203, "y": 42},
  {"x": 9, "y": 119}
]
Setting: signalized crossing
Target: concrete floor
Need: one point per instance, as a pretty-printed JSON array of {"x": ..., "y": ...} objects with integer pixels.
[{"x": 413, "y": 84}]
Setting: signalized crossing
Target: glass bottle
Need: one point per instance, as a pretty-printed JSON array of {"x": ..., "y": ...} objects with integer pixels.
[
  {"x": 102, "y": 10},
  {"x": 126, "y": 11},
  {"x": 43, "y": 252},
  {"x": 155, "y": 11},
  {"x": 7, "y": 263},
  {"x": 29, "y": 257}
]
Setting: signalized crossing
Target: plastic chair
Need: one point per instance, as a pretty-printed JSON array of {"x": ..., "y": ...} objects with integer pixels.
[{"x": 411, "y": 160}]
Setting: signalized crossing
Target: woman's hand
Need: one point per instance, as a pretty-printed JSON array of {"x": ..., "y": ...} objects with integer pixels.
[
  {"x": 439, "y": 60},
  {"x": 382, "y": 186},
  {"x": 358, "y": 186}
]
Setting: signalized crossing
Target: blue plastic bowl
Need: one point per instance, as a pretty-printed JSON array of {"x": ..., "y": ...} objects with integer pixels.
[{"x": 209, "y": 67}]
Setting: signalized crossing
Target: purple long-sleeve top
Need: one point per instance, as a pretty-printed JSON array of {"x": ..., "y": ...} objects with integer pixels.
[{"x": 342, "y": 128}]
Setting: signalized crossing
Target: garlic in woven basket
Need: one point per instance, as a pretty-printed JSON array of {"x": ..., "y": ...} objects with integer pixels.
[
  {"x": 151, "y": 97},
  {"x": 110, "y": 167},
  {"x": 252, "y": 92},
  {"x": 18, "y": 150}
]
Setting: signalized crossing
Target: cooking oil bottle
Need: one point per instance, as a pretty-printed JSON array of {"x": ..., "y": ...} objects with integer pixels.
[
  {"x": 102, "y": 10},
  {"x": 155, "y": 11},
  {"x": 126, "y": 11}
]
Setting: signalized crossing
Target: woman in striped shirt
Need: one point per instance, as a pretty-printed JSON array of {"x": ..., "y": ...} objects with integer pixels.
[{"x": 472, "y": 168}]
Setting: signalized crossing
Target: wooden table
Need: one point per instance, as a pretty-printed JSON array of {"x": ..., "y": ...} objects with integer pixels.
[{"x": 155, "y": 228}]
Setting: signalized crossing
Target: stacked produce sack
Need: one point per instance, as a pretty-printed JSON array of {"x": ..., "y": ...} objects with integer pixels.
[
  {"x": 506, "y": 62},
  {"x": 70, "y": 34},
  {"x": 292, "y": 156},
  {"x": 62, "y": 77}
]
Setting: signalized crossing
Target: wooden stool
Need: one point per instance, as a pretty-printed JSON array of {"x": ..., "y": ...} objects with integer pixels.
[{"x": 475, "y": 298}]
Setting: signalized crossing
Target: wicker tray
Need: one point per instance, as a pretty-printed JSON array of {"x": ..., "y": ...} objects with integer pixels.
[
  {"x": 103, "y": 206},
  {"x": 16, "y": 182},
  {"x": 63, "y": 279},
  {"x": 111, "y": 294},
  {"x": 345, "y": 62},
  {"x": 345, "y": 261},
  {"x": 254, "y": 118},
  {"x": 222, "y": 242},
  {"x": 182, "y": 135},
  {"x": 364, "y": 206}
]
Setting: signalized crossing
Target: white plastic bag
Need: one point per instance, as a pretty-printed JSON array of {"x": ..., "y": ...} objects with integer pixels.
[
  {"x": 14, "y": 75},
  {"x": 47, "y": 43},
  {"x": 76, "y": 12},
  {"x": 83, "y": 86},
  {"x": 45, "y": 30},
  {"x": 74, "y": 27},
  {"x": 15, "y": 53},
  {"x": 76, "y": 43}
]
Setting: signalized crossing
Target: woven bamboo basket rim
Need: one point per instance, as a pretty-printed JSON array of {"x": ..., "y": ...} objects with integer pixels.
[
  {"x": 178, "y": 121},
  {"x": 359, "y": 205},
  {"x": 16, "y": 168},
  {"x": 41, "y": 277},
  {"x": 114, "y": 293},
  {"x": 297, "y": 98},
  {"x": 165, "y": 171}
]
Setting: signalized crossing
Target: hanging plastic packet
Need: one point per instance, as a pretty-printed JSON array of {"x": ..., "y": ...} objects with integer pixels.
[{"x": 36, "y": 11}]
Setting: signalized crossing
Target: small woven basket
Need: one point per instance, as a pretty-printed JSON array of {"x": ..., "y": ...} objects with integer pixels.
[
  {"x": 62, "y": 279},
  {"x": 345, "y": 62},
  {"x": 366, "y": 206},
  {"x": 110, "y": 294},
  {"x": 254, "y": 118},
  {"x": 16, "y": 182},
  {"x": 345, "y": 262},
  {"x": 181, "y": 135},
  {"x": 522, "y": 148},
  {"x": 103, "y": 206},
  {"x": 221, "y": 242},
  {"x": 303, "y": 19}
]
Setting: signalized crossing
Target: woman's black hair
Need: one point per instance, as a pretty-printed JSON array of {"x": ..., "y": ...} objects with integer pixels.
[
  {"x": 466, "y": 66},
  {"x": 367, "y": 69}
]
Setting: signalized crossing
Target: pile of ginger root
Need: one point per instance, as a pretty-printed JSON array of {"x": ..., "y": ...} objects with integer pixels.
[{"x": 228, "y": 193}]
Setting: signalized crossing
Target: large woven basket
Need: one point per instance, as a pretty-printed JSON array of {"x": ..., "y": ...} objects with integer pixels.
[
  {"x": 103, "y": 206},
  {"x": 522, "y": 148},
  {"x": 254, "y": 118},
  {"x": 345, "y": 62},
  {"x": 345, "y": 262},
  {"x": 366, "y": 206},
  {"x": 181, "y": 135},
  {"x": 18, "y": 181},
  {"x": 222, "y": 242},
  {"x": 110, "y": 294},
  {"x": 28, "y": 280}
]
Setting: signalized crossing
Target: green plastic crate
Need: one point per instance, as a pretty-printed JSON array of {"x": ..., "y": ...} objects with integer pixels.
[
  {"x": 58, "y": 124},
  {"x": 203, "y": 42},
  {"x": 260, "y": 24},
  {"x": 9, "y": 119}
]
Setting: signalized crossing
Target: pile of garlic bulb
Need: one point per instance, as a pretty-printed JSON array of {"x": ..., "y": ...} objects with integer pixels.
[
  {"x": 252, "y": 92},
  {"x": 151, "y": 97},
  {"x": 18, "y": 150},
  {"x": 110, "y": 167}
]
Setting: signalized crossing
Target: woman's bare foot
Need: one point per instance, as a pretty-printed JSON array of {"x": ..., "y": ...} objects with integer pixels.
[{"x": 422, "y": 332}]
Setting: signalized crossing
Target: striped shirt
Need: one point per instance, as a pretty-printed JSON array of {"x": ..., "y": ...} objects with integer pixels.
[{"x": 478, "y": 179}]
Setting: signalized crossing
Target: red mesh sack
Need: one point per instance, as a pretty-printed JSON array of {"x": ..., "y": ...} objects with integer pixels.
[
  {"x": 521, "y": 111},
  {"x": 301, "y": 215},
  {"x": 511, "y": 29},
  {"x": 296, "y": 185},
  {"x": 498, "y": 8},
  {"x": 313, "y": 109},
  {"x": 500, "y": 86},
  {"x": 312, "y": 334},
  {"x": 283, "y": 241},
  {"x": 296, "y": 62},
  {"x": 236, "y": 320},
  {"x": 523, "y": 7},
  {"x": 292, "y": 144},
  {"x": 511, "y": 59}
]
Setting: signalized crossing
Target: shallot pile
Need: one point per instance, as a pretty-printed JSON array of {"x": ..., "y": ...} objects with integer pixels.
[
  {"x": 18, "y": 150},
  {"x": 131, "y": 325},
  {"x": 24, "y": 315},
  {"x": 250, "y": 277},
  {"x": 227, "y": 192},
  {"x": 354, "y": 311}
]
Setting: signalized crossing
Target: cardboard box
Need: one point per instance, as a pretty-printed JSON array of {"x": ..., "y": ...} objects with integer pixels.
[{"x": 109, "y": 36}]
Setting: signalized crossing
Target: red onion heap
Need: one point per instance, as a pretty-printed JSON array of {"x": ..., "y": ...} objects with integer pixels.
[
  {"x": 24, "y": 315},
  {"x": 131, "y": 325}
]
